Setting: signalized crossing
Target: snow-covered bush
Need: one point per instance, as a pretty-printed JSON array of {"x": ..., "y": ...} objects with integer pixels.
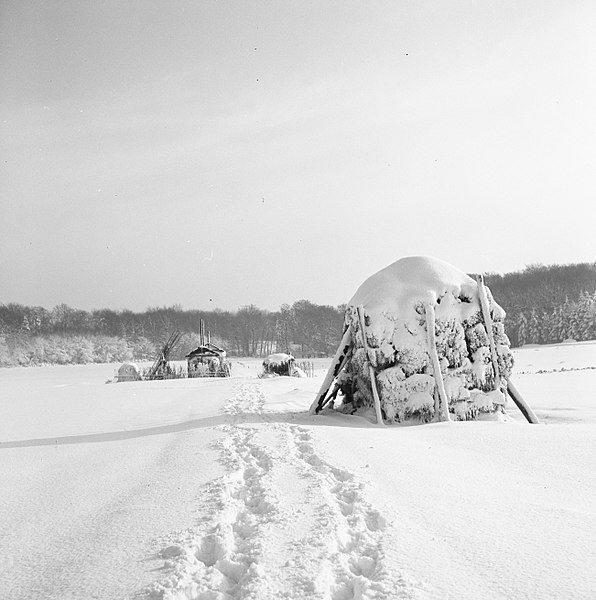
[
  {"x": 143, "y": 349},
  {"x": 5, "y": 358}
]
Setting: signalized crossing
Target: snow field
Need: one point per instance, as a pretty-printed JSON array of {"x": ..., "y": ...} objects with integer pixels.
[
  {"x": 498, "y": 512},
  {"x": 83, "y": 520},
  {"x": 282, "y": 523},
  {"x": 229, "y": 490}
]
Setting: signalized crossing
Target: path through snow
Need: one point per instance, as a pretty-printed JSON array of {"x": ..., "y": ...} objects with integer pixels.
[{"x": 282, "y": 523}]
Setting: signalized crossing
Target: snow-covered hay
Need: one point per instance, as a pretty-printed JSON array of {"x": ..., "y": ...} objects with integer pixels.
[
  {"x": 279, "y": 364},
  {"x": 129, "y": 372},
  {"x": 418, "y": 345}
]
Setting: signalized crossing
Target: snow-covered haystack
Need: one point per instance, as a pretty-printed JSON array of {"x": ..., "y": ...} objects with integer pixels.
[
  {"x": 419, "y": 339},
  {"x": 129, "y": 372},
  {"x": 279, "y": 364}
]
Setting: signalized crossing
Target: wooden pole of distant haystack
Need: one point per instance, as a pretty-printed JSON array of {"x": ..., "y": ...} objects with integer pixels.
[
  {"x": 373, "y": 380},
  {"x": 337, "y": 364},
  {"x": 202, "y": 332},
  {"x": 443, "y": 410},
  {"x": 160, "y": 365}
]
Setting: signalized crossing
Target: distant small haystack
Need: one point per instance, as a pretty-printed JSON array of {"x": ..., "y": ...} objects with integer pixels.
[
  {"x": 129, "y": 372},
  {"x": 279, "y": 364}
]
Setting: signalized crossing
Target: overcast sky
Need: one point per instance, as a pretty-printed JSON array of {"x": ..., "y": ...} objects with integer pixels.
[{"x": 216, "y": 154}]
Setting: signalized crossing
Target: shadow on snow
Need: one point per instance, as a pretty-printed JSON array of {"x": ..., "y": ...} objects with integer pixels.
[{"x": 327, "y": 418}]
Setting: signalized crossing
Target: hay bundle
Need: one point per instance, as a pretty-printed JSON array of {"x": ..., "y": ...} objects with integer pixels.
[
  {"x": 129, "y": 372},
  {"x": 279, "y": 364},
  {"x": 418, "y": 345}
]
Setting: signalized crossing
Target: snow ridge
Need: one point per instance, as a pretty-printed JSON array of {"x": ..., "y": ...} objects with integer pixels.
[{"x": 324, "y": 542}]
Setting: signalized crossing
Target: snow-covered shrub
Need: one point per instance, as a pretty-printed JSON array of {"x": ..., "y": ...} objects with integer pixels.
[
  {"x": 109, "y": 349},
  {"x": 82, "y": 350},
  {"x": 143, "y": 349},
  {"x": 5, "y": 354}
]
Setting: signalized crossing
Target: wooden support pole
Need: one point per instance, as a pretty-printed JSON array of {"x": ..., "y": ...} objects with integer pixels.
[
  {"x": 337, "y": 364},
  {"x": 488, "y": 323},
  {"x": 443, "y": 410},
  {"x": 371, "y": 371},
  {"x": 331, "y": 396},
  {"x": 511, "y": 389},
  {"x": 521, "y": 403}
]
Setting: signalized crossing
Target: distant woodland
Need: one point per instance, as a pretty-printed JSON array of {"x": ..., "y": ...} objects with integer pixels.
[
  {"x": 544, "y": 305},
  {"x": 547, "y": 304}
]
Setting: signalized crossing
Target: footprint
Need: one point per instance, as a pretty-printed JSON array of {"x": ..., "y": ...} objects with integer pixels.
[
  {"x": 244, "y": 529},
  {"x": 375, "y": 521},
  {"x": 234, "y": 571},
  {"x": 210, "y": 550},
  {"x": 341, "y": 475},
  {"x": 345, "y": 494},
  {"x": 306, "y": 448},
  {"x": 364, "y": 566}
]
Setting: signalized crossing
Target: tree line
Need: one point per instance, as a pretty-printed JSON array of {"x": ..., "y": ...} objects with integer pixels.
[
  {"x": 544, "y": 304},
  {"x": 547, "y": 304},
  {"x": 64, "y": 335}
]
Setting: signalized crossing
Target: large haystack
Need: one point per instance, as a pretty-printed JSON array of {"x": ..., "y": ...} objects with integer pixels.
[{"x": 422, "y": 341}]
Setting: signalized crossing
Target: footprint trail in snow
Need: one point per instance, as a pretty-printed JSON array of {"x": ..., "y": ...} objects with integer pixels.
[{"x": 282, "y": 523}]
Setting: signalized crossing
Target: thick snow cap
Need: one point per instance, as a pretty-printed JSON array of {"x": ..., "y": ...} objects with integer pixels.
[
  {"x": 278, "y": 359},
  {"x": 279, "y": 364},
  {"x": 415, "y": 281}
]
